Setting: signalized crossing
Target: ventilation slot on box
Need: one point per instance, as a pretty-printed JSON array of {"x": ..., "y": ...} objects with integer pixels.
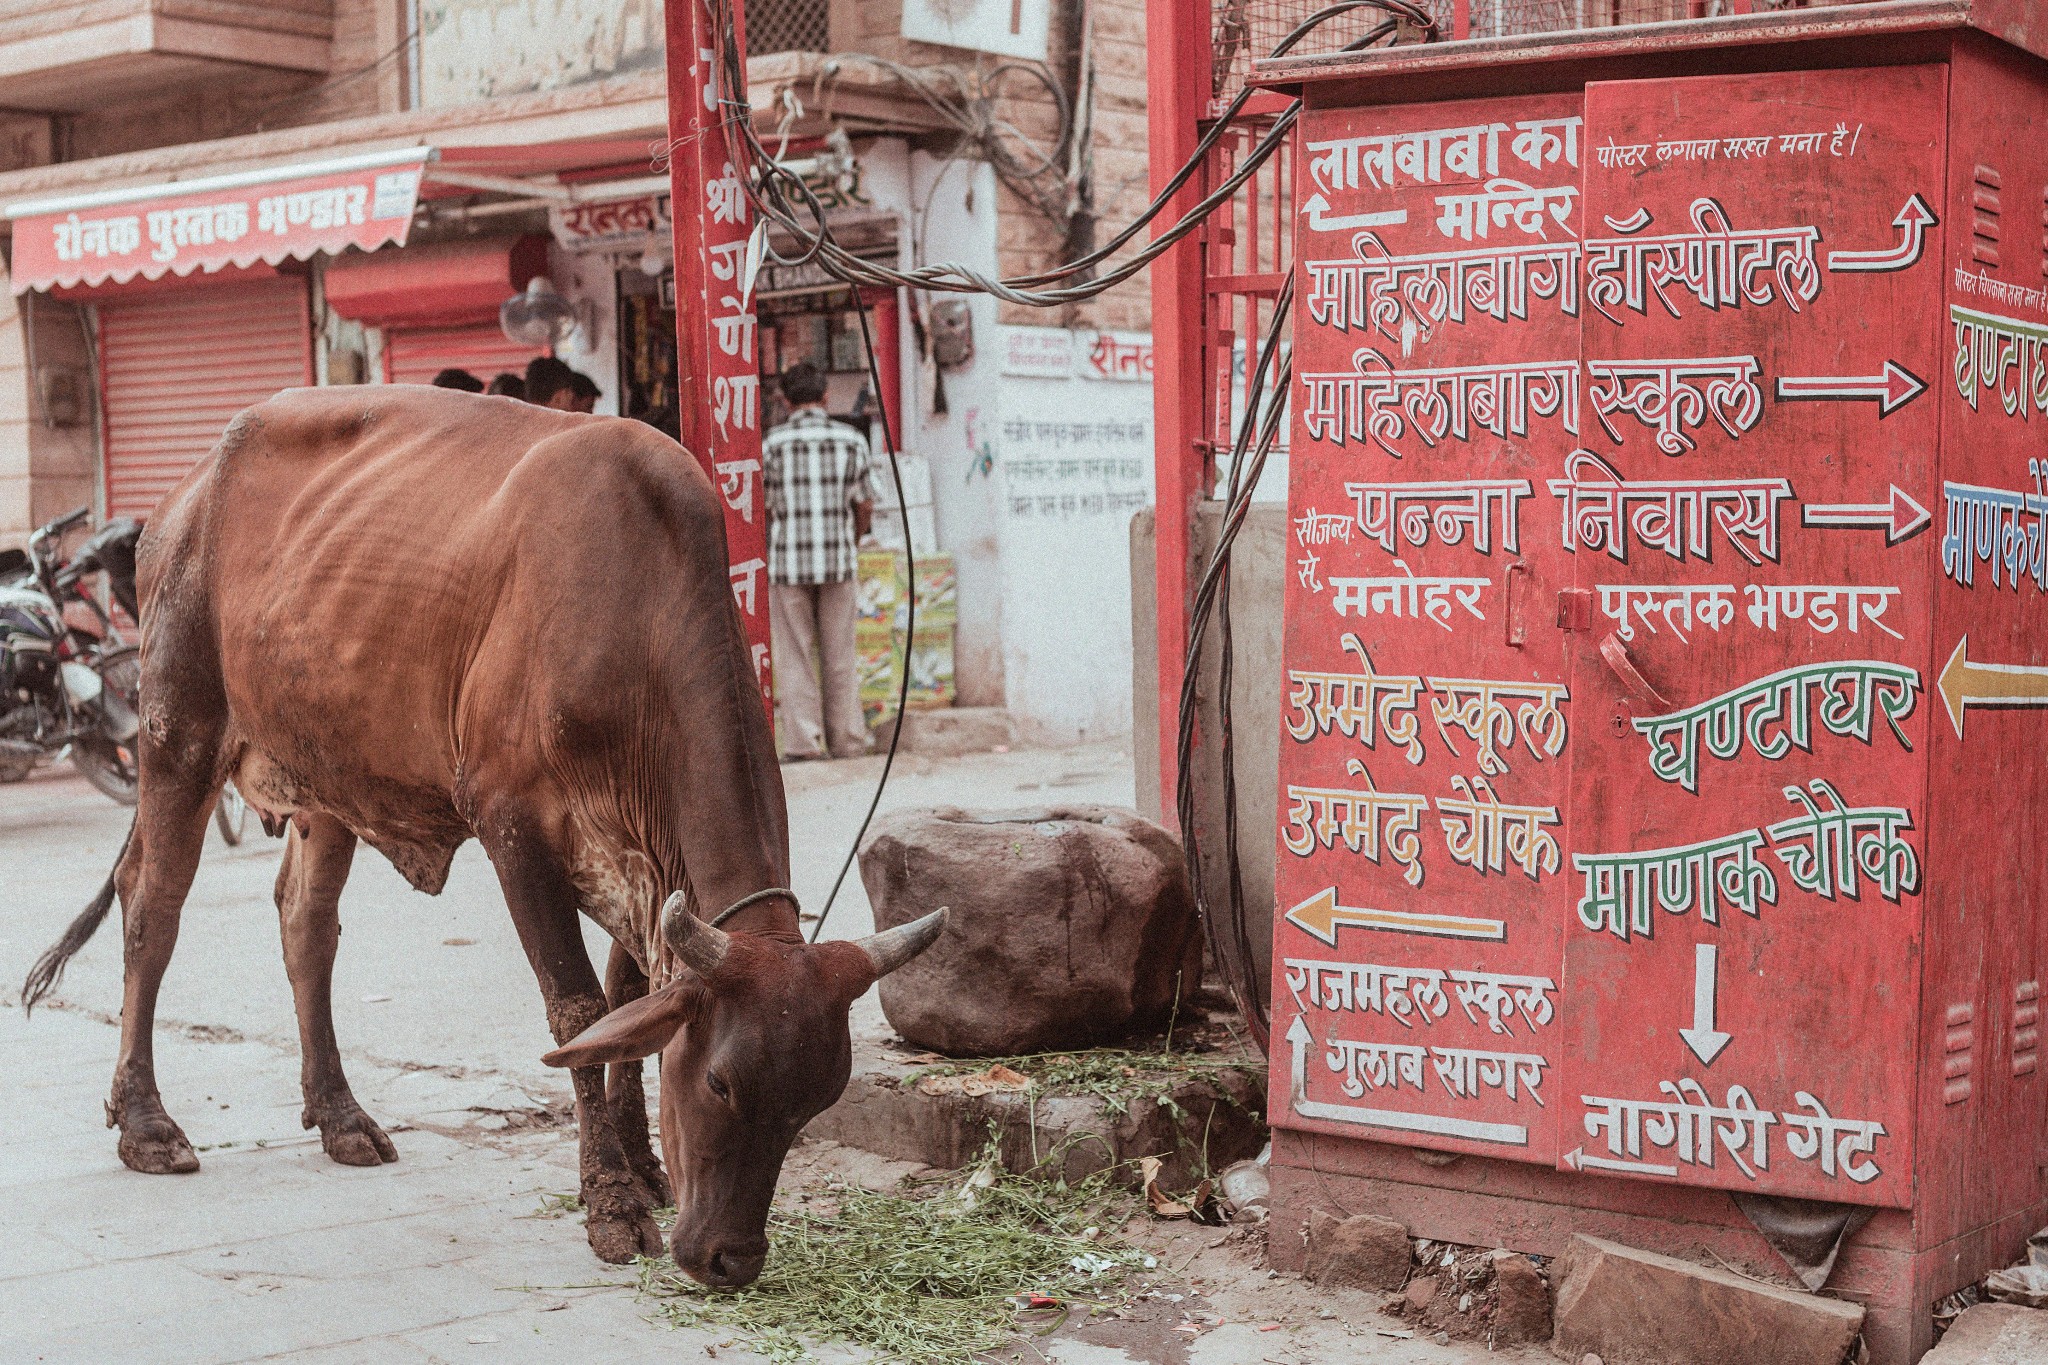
[
  {"x": 1984, "y": 217},
  {"x": 1955, "y": 1062},
  {"x": 2026, "y": 1026}
]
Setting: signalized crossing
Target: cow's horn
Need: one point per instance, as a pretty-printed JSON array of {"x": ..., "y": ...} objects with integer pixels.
[
  {"x": 892, "y": 948},
  {"x": 700, "y": 946}
]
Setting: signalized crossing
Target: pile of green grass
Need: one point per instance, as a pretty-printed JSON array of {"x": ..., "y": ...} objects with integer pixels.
[{"x": 931, "y": 1276}]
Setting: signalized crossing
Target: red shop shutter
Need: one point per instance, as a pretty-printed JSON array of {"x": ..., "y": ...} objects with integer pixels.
[
  {"x": 178, "y": 366},
  {"x": 416, "y": 355}
]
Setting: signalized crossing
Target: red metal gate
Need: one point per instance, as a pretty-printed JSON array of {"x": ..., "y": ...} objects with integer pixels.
[
  {"x": 414, "y": 355},
  {"x": 177, "y": 365}
]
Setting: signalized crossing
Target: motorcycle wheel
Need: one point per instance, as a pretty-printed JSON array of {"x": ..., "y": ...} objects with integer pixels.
[
  {"x": 16, "y": 769},
  {"x": 109, "y": 766},
  {"x": 231, "y": 815}
]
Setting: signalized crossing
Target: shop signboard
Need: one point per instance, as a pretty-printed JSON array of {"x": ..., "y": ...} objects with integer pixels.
[
  {"x": 1609, "y": 625},
  {"x": 613, "y": 225},
  {"x": 718, "y": 374},
  {"x": 216, "y": 222}
]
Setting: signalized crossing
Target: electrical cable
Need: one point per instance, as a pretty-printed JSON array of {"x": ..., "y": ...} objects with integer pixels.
[
  {"x": 765, "y": 183},
  {"x": 1243, "y": 481},
  {"x": 768, "y": 185},
  {"x": 910, "y": 625}
]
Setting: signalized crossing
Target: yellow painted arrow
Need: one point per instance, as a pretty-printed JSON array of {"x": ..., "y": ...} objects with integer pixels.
[
  {"x": 1322, "y": 916},
  {"x": 1965, "y": 684}
]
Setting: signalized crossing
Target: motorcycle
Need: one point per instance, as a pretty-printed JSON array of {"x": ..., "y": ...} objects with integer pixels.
[{"x": 65, "y": 689}]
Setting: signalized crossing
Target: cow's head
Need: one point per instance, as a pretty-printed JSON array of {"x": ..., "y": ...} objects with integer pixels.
[{"x": 754, "y": 1044}]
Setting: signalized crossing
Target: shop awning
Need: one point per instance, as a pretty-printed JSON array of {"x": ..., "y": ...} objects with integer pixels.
[
  {"x": 284, "y": 212},
  {"x": 448, "y": 284}
]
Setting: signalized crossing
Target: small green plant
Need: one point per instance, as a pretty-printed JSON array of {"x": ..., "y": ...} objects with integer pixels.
[
  {"x": 557, "y": 1206},
  {"x": 933, "y": 1275}
]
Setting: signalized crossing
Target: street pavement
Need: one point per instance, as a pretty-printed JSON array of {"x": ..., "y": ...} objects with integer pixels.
[{"x": 273, "y": 1251}]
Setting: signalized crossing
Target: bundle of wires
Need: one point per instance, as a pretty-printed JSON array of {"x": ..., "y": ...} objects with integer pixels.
[{"x": 782, "y": 200}]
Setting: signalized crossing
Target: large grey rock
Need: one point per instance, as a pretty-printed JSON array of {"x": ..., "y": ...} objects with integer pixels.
[
  {"x": 1071, "y": 926},
  {"x": 1364, "y": 1251},
  {"x": 1994, "y": 1334},
  {"x": 1637, "y": 1308}
]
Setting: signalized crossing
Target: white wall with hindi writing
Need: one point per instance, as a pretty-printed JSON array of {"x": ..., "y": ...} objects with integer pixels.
[{"x": 1073, "y": 465}]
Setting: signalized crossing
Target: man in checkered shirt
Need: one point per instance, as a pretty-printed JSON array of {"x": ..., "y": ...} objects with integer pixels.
[{"x": 814, "y": 473}]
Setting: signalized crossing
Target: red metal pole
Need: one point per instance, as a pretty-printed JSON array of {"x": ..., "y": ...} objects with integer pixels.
[
  {"x": 1177, "y": 81},
  {"x": 719, "y": 376}
]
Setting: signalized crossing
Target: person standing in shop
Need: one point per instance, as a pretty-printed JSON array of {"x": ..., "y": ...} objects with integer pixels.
[{"x": 814, "y": 477}]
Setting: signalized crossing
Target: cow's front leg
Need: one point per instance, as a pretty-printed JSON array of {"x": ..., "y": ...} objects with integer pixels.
[
  {"x": 618, "y": 1215},
  {"x": 624, "y": 983}
]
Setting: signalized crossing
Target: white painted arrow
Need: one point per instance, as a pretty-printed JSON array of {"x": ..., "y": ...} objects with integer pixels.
[
  {"x": 1577, "y": 1159},
  {"x": 1899, "y": 517},
  {"x": 1441, "y": 1125},
  {"x": 1892, "y": 390},
  {"x": 1318, "y": 210},
  {"x": 1703, "y": 1038},
  {"x": 1912, "y": 221},
  {"x": 1322, "y": 916}
]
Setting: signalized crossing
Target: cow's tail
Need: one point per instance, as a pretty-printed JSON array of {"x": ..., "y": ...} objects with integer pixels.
[{"x": 49, "y": 968}]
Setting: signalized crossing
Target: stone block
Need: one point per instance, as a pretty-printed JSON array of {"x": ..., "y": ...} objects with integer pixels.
[
  {"x": 1072, "y": 926},
  {"x": 1204, "y": 1122},
  {"x": 1994, "y": 1334},
  {"x": 1636, "y": 1308},
  {"x": 1364, "y": 1251},
  {"x": 1521, "y": 1312},
  {"x": 951, "y": 730}
]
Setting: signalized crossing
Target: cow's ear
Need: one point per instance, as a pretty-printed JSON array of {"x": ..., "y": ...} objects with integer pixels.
[{"x": 633, "y": 1031}]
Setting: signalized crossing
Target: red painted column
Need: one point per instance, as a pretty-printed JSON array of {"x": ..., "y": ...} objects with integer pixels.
[
  {"x": 719, "y": 372},
  {"x": 1178, "y": 59}
]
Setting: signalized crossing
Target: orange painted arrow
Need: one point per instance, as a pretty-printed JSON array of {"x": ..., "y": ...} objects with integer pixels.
[
  {"x": 1964, "y": 684},
  {"x": 1322, "y": 916}
]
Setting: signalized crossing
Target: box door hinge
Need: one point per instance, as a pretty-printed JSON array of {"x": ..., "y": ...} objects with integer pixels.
[{"x": 1575, "y": 609}]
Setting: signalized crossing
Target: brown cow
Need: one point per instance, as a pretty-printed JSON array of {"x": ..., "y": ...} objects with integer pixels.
[{"x": 413, "y": 616}]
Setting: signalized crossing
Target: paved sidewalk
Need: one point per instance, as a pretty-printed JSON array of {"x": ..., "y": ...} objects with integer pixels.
[{"x": 273, "y": 1251}]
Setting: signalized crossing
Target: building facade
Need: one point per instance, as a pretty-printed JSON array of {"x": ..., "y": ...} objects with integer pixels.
[{"x": 208, "y": 201}]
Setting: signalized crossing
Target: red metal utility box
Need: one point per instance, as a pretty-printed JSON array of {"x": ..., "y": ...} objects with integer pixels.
[{"x": 1667, "y": 641}]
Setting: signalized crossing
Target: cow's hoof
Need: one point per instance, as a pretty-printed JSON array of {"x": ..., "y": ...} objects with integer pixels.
[
  {"x": 157, "y": 1146},
  {"x": 354, "y": 1139},
  {"x": 617, "y": 1238}
]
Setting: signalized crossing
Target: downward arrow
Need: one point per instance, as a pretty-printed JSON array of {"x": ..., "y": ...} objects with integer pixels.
[{"x": 1703, "y": 1038}]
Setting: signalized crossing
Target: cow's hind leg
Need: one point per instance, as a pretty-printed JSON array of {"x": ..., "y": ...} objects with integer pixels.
[
  {"x": 624, "y": 983},
  {"x": 618, "y": 1217},
  {"x": 316, "y": 862},
  {"x": 178, "y": 789}
]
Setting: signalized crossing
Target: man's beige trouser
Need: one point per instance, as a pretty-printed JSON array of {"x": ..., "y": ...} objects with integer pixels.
[{"x": 815, "y": 620}]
